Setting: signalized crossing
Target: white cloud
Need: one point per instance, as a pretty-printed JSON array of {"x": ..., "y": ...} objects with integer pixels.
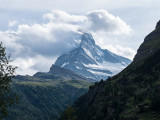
[
  {"x": 31, "y": 65},
  {"x": 8, "y": 39},
  {"x": 12, "y": 23},
  {"x": 36, "y": 46},
  {"x": 48, "y": 39},
  {"x": 122, "y": 51},
  {"x": 23, "y": 66},
  {"x": 61, "y": 16},
  {"x": 102, "y": 21}
]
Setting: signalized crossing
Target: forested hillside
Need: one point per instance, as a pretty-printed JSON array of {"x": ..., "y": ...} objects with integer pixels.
[
  {"x": 133, "y": 94},
  {"x": 45, "y": 96}
]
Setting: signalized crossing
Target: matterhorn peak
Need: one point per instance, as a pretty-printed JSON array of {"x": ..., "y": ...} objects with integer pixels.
[
  {"x": 87, "y": 38},
  {"x": 91, "y": 61},
  {"x": 87, "y": 41}
]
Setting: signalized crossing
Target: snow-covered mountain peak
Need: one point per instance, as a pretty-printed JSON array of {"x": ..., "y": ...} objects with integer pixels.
[
  {"x": 87, "y": 37},
  {"x": 87, "y": 41},
  {"x": 89, "y": 60}
]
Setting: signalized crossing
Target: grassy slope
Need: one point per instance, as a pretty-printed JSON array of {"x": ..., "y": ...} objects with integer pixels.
[{"x": 44, "y": 98}]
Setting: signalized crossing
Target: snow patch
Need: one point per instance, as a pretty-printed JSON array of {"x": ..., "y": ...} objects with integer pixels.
[
  {"x": 88, "y": 53},
  {"x": 64, "y": 64},
  {"x": 99, "y": 52},
  {"x": 78, "y": 68},
  {"x": 98, "y": 73},
  {"x": 112, "y": 67}
]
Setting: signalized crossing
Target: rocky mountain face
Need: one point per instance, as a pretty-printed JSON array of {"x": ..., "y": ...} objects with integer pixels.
[
  {"x": 133, "y": 94},
  {"x": 89, "y": 60}
]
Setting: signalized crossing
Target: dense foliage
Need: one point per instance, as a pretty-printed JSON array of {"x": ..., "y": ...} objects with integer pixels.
[
  {"x": 68, "y": 114},
  {"x": 7, "y": 97},
  {"x": 134, "y": 94},
  {"x": 44, "y": 99}
]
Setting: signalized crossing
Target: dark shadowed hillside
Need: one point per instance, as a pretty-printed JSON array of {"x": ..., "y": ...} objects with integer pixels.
[{"x": 133, "y": 94}]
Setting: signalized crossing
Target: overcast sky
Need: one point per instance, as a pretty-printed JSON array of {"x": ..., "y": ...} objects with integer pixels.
[{"x": 37, "y": 32}]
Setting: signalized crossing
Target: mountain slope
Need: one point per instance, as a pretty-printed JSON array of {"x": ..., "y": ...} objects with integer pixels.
[
  {"x": 62, "y": 73},
  {"x": 44, "y": 96},
  {"x": 150, "y": 45},
  {"x": 133, "y": 94},
  {"x": 91, "y": 61}
]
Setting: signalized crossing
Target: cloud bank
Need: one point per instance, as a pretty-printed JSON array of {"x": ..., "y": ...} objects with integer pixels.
[
  {"x": 36, "y": 46},
  {"x": 12, "y": 23},
  {"x": 102, "y": 21}
]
